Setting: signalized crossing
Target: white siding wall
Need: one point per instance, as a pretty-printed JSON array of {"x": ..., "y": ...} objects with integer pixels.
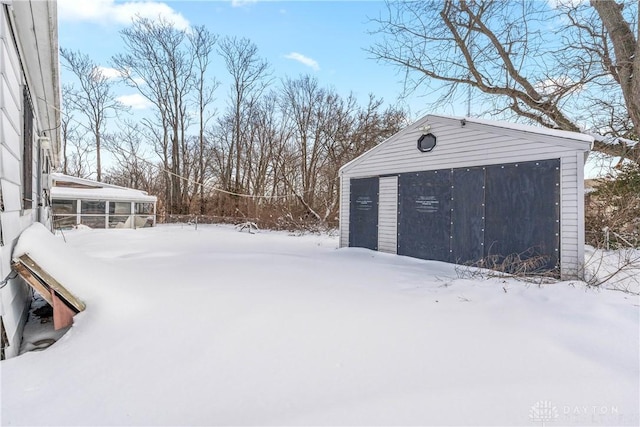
[
  {"x": 388, "y": 215},
  {"x": 457, "y": 146},
  {"x": 344, "y": 211},
  {"x": 15, "y": 296},
  {"x": 572, "y": 215},
  {"x": 478, "y": 145}
]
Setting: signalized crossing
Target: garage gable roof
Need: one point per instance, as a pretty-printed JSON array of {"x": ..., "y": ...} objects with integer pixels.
[{"x": 572, "y": 140}]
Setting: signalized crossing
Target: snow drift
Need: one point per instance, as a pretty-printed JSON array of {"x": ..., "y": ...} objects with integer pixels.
[{"x": 212, "y": 326}]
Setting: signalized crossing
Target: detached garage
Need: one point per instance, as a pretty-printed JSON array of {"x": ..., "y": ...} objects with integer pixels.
[{"x": 466, "y": 190}]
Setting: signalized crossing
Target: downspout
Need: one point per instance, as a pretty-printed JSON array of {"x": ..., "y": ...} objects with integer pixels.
[{"x": 39, "y": 203}]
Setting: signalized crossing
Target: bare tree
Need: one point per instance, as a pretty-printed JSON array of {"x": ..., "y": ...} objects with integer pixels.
[
  {"x": 159, "y": 63},
  {"x": 67, "y": 125},
  {"x": 306, "y": 103},
  {"x": 624, "y": 63},
  {"x": 328, "y": 130},
  {"x": 270, "y": 134},
  {"x": 130, "y": 156},
  {"x": 250, "y": 76},
  {"x": 78, "y": 156},
  {"x": 202, "y": 42},
  {"x": 506, "y": 55},
  {"x": 93, "y": 97}
]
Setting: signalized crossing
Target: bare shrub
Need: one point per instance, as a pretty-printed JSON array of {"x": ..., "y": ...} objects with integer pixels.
[
  {"x": 526, "y": 266},
  {"x": 612, "y": 218},
  {"x": 521, "y": 264},
  {"x": 617, "y": 270}
]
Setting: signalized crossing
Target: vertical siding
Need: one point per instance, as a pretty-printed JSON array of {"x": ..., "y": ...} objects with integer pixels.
[
  {"x": 344, "y": 211},
  {"x": 388, "y": 215},
  {"x": 580, "y": 160},
  {"x": 572, "y": 215}
]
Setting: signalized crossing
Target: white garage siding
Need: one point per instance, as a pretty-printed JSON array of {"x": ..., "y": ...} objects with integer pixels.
[
  {"x": 344, "y": 212},
  {"x": 388, "y": 214},
  {"x": 572, "y": 215},
  {"x": 476, "y": 143}
]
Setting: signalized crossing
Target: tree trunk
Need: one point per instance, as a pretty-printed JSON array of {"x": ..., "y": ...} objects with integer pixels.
[{"x": 627, "y": 52}]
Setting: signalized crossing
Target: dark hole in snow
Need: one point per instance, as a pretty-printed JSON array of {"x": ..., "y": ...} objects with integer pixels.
[
  {"x": 45, "y": 313},
  {"x": 39, "y": 333}
]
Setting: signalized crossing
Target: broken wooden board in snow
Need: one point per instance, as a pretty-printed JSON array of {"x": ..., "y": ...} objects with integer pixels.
[{"x": 65, "y": 304}]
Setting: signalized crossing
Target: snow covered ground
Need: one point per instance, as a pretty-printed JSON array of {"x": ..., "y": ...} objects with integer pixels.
[{"x": 212, "y": 326}]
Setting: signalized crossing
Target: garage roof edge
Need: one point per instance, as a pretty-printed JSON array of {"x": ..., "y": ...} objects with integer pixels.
[{"x": 583, "y": 141}]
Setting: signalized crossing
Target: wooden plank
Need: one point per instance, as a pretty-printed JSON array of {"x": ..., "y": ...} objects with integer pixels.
[
  {"x": 51, "y": 282},
  {"x": 33, "y": 281},
  {"x": 62, "y": 314}
]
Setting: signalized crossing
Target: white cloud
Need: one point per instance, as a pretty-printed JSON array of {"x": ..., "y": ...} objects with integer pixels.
[
  {"x": 108, "y": 11},
  {"x": 240, "y": 3},
  {"x": 550, "y": 86},
  {"x": 135, "y": 101},
  {"x": 109, "y": 73},
  {"x": 556, "y": 4},
  {"x": 305, "y": 60},
  {"x": 112, "y": 73}
]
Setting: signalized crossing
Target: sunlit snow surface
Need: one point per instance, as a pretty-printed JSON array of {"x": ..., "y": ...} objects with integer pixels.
[{"x": 213, "y": 326}]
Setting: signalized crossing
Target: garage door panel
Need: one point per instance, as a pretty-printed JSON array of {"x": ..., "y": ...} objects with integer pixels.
[
  {"x": 424, "y": 215},
  {"x": 363, "y": 213},
  {"x": 467, "y": 215},
  {"x": 523, "y": 210}
]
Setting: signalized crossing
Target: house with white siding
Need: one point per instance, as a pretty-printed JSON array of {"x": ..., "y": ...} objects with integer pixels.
[
  {"x": 470, "y": 191},
  {"x": 29, "y": 141}
]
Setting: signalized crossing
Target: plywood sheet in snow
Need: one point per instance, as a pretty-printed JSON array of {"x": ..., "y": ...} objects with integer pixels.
[{"x": 65, "y": 304}]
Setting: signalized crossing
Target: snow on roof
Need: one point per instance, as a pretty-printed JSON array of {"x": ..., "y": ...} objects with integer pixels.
[
  {"x": 60, "y": 177},
  {"x": 524, "y": 128},
  {"x": 614, "y": 140},
  {"x": 116, "y": 194},
  {"x": 96, "y": 190}
]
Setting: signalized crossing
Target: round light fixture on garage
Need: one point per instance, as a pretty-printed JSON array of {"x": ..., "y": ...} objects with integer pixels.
[{"x": 427, "y": 142}]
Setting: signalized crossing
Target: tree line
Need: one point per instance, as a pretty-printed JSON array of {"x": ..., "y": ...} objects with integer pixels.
[
  {"x": 274, "y": 150},
  {"x": 272, "y": 153}
]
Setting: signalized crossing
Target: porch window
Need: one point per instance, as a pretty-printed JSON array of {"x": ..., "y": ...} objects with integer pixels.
[
  {"x": 93, "y": 213},
  {"x": 65, "y": 213}
]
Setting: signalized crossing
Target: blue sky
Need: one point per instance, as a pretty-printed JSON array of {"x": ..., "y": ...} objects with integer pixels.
[{"x": 326, "y": 39}]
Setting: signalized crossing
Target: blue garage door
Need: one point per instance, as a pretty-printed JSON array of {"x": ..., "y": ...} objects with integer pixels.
[
  {"x": 363, "y": 213},
  {"x": 424, "y": 215},
  {"x": 467, "y": 214},
  {"x": 523, "y": 212}
]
